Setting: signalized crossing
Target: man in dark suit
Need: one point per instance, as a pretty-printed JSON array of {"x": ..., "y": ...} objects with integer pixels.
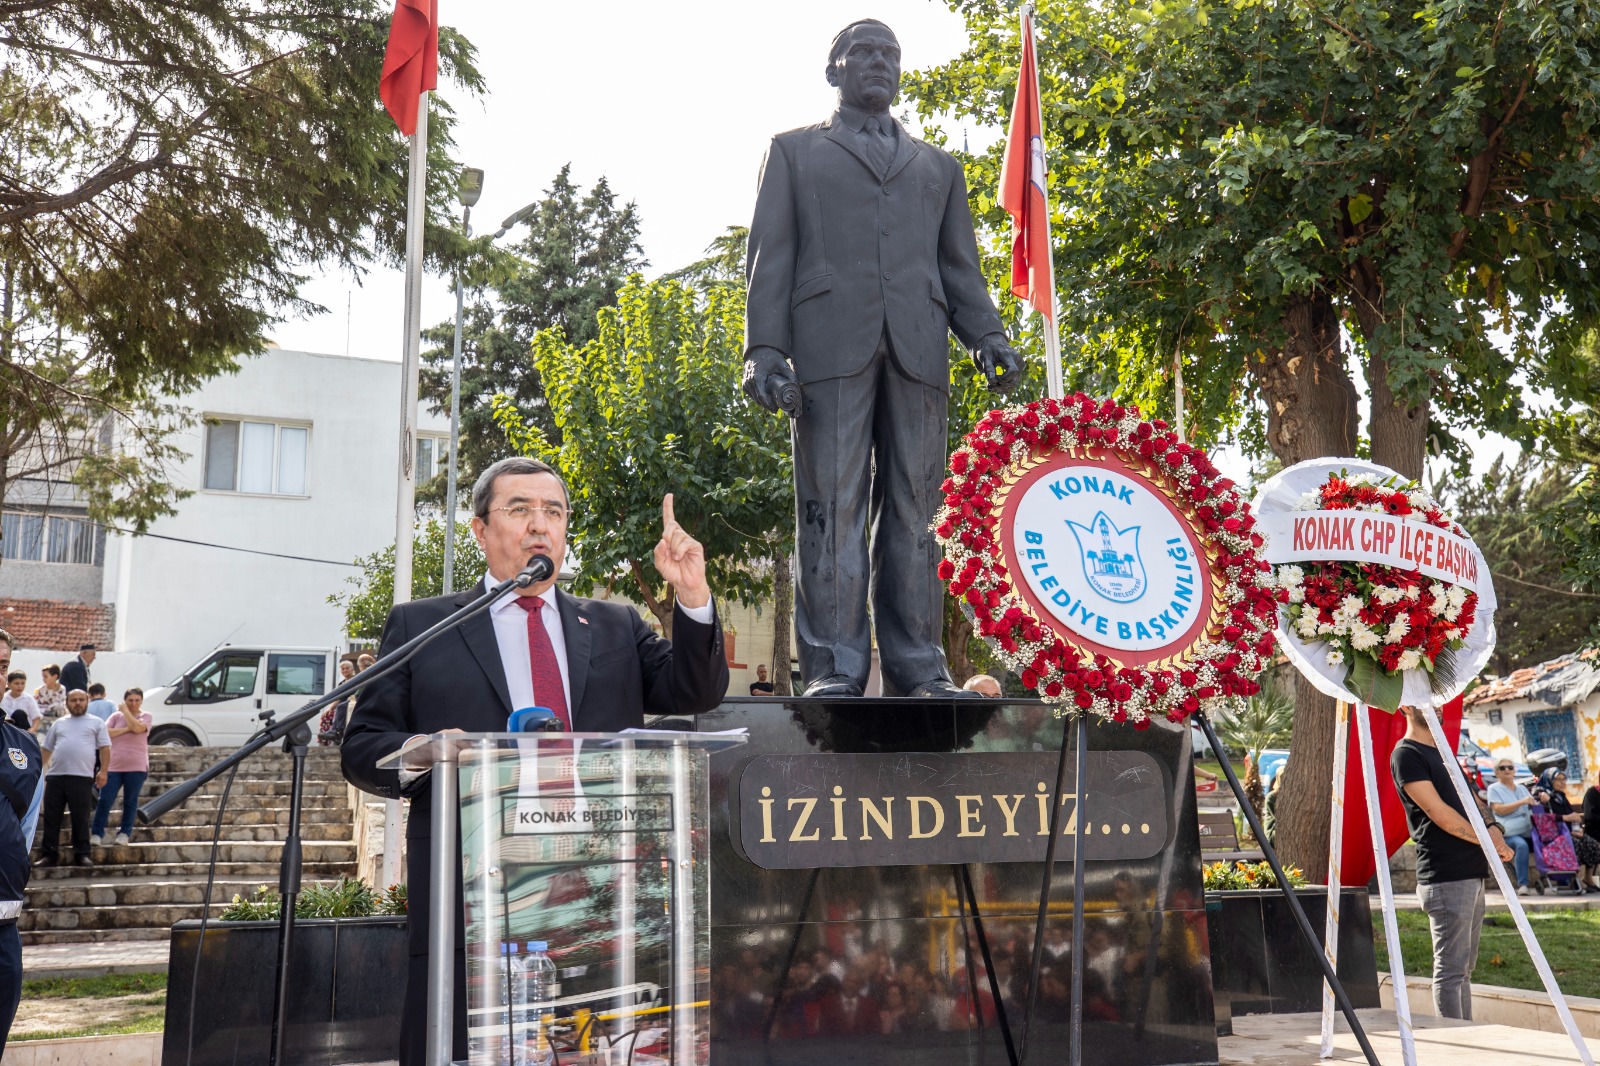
[
  {"x": 76, "y": 673},
  {"x": 596, "y": 664},
  {"x": 862, "y": 261}
]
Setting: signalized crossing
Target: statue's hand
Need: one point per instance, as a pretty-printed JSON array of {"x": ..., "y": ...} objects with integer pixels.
[
  {"x": 766, "y": 372},
  {"x": 1000, "y": 363}
]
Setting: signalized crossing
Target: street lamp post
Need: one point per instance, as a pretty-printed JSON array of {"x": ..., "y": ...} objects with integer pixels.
[{"x": 470, "y": 188}]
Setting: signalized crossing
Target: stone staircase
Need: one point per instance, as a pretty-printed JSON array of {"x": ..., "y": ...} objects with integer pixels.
[{"x": 136, "y": 891}]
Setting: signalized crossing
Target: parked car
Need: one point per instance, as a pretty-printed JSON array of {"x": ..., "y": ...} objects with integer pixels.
[
  {"x": 1477, "y": 763},
  {"x": 221, "y": 699}
]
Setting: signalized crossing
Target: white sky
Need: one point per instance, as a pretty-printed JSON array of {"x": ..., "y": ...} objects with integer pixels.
[{"x": 674, "y": 111}]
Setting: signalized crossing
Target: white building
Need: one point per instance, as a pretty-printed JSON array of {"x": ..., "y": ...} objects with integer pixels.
[{"x": 292, "y": 465}]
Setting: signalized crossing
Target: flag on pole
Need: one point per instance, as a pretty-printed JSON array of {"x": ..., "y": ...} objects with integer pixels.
[
  {"x": 411, "y": 62},
  {"x": 1022, "y": 188}
]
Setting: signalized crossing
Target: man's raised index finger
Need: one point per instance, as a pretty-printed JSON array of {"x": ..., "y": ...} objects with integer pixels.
[{"x": 667, "y": 521}]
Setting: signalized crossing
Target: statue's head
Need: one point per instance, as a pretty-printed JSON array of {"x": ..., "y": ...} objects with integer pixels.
[{"x": 864, "y": 65}]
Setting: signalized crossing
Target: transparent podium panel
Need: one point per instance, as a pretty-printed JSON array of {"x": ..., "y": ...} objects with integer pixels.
[{"x": 589, "y": 851}]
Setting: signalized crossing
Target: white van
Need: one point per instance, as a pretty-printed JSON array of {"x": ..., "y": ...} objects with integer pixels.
[{"x": 219, "y": 701}]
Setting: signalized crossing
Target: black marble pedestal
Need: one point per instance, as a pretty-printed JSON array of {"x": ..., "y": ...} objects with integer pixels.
[{"x": 869, "y": 963}]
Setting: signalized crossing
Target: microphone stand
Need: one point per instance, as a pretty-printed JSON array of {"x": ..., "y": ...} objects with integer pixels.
[{"x": 295, "y": 732}]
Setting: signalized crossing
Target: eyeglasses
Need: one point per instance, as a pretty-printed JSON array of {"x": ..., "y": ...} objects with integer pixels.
[
  {"x": 522, "y": 512},
  {"x": 1497, "y": 769}
]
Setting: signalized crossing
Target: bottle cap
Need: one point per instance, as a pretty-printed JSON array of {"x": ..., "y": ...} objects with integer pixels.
[{"x": 538, "y": 945}]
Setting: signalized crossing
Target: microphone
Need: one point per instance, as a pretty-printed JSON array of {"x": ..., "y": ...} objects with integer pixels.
[
  {"x": 533, "y": 720},
  {"x": 538, "y": 569}
]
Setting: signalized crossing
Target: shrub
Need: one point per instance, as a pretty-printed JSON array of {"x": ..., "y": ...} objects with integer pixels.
[
  {"x": 345, "y": 898},
  {"x": 1235, "y": 876}
]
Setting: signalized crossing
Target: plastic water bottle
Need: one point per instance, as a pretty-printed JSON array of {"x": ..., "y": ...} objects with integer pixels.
[
  {"x": 533, "y": 993},
  {"x": 495, "y": 1048}
]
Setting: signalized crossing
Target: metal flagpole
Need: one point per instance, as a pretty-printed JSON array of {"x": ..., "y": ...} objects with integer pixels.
[
  {"x": 1513, "y": 904},
  {"x": 1052, "y": 333},
  {"x": 410, "y": 367},
  {"x": 1380, "y": 853},
  {"x": 1330, "y": 931}
]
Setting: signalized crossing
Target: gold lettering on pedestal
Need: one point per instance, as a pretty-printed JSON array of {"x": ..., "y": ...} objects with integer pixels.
[
  {"x": 884, "y": 818},
  {"x": 1010, "y": 813},
  {"x": 766, "y": 816},
  {"x": 807, "y": 805},
  {"x": 838, "y": 814},
  {"x": 916, "y": 816},
  {"x": 968, "y": 816},
  {"x": 1044, "y": 811}
]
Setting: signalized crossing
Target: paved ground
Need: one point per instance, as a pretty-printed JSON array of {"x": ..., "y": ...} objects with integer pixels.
[
  {"x": 1292, "y": 1039},
  {"x": 91, "y": 960}
]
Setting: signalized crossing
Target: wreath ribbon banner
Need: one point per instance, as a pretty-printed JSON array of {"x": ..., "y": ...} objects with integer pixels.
[{"x": 1388, "y": 540}]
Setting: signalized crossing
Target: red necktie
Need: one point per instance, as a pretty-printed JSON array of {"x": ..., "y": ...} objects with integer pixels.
[{"x": 547, "y": 688}]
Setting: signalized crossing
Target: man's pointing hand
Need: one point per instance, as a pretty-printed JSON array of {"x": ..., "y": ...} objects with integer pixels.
[{"x": 681, "y": 560}]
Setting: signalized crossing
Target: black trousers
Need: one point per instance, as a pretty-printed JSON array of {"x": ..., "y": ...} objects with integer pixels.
[
  {"x": 869, "y": 454},
  {"x": 10, "y": 978},
  {"x": 73, "y": 793}
]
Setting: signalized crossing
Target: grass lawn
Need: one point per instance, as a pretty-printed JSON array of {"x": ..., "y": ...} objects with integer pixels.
[
  {"x": 1570, "y": 939},
  {"x": 54, "y": 1009}
]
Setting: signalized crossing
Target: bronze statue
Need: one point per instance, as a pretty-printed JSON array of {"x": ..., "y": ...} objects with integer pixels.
[{"x": 862, "y": 261}]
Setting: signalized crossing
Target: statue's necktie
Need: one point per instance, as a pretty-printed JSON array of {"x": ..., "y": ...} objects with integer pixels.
[
  {"x": 880, "y": 145},
  {"x": 547, "y": 690}
]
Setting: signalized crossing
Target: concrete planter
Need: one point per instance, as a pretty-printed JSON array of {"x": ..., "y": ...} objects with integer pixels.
[
  {"x": 1260, "y": 964},
  {"x": 345, "y": 986}
]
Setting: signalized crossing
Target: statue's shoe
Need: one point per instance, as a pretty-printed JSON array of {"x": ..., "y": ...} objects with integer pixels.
[
  {"x": 836, "y": 685},
  {"x": 941, "y": 689}
]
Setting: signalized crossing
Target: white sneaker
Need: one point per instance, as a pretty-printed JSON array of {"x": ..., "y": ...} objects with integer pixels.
[
  {"x": 1522, "y": 890},
  {"x": 122, "y": 838},
  {"x": 94, "y": 840}
]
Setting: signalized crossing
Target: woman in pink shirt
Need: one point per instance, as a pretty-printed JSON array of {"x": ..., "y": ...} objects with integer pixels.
[{"x": 130, "y": 765}]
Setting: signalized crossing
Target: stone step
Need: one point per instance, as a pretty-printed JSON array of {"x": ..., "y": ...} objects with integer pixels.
[
  {"x": 182, "y": 834},
  {"x": 243, "y": 786},
  {"x": 255, "y": 872},
  {"x": 273, "y": 769},
  {"x": 143, "y": 891},
  {"x": 167, "y": 757},
  {"x": 148, "y": 851},
  {"x": 92, "y": 936},
  {"x": 143, "y": 916},
  {"x": 250, "y": 815}
]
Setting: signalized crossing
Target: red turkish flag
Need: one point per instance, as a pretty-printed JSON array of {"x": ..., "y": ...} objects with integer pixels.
[
  {"x": 1022, "y": 188},
  {"x": 1357, "y": 863},
  {"x": 411, "y": 62}
]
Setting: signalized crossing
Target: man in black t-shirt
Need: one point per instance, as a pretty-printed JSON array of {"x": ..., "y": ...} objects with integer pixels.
[
  {"x": 1450, "y": 863},
  {"x": 761, "y": 686}
]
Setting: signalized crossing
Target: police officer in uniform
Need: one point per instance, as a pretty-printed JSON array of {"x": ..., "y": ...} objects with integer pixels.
[{"x": 21, "y": 790}]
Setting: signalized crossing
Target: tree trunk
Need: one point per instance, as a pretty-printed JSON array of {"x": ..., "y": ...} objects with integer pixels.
[
  {"x": 1311, "y": 412},
  {"x": 1398, "y": 427},
  {"x": 957, "y": 637},
  {"x": 782, "y": 623},
  {"x": 660, "y": 606}
]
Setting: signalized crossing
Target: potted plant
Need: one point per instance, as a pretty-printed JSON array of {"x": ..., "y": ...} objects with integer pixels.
[
  {"x": 345, "y": 996},
  {"x": 1260, "y": 964}
]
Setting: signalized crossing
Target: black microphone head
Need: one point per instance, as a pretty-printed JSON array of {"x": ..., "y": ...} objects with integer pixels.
[{"x": 539, "y": 568}]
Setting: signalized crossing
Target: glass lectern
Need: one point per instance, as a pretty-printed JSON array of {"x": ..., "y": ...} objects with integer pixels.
[{"x": 595, "y": 844}]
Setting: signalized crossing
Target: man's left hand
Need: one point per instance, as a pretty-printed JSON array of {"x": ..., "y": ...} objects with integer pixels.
[
  {"x": 100, "y": 779},
  {"x": 681, "y": 560},
  {"x": 1000, "y": 363}
]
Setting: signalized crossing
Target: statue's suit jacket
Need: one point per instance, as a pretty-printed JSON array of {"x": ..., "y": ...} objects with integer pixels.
[
  {"x": 836, "y": 252},
  {"x": 618, "y": 670}
]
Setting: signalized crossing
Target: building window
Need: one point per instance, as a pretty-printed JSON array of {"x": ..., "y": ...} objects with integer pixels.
[
  {"x": 433, "y": 455},
  {"x": 31, "y": 537},
  {"x": 256, "y": 457}
]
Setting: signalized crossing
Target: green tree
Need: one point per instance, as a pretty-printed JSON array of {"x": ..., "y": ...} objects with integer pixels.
[
  {"x": 578, "y": 250},
  {"x": 652, "y": 405},
  {"x": 369, "y": 595},
  {"x": 166, "y": 173},
  {"x": 1245, "y": 185},
  {"x": 1541, "y": 614},
  {"x": 1263, "y": 721}
]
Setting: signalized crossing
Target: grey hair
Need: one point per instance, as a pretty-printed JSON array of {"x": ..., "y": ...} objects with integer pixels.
[{"x": 483, "y": 489}]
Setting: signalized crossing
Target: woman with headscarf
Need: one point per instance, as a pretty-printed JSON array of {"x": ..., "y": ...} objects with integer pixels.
[{"x": 1552, "y": 790}]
